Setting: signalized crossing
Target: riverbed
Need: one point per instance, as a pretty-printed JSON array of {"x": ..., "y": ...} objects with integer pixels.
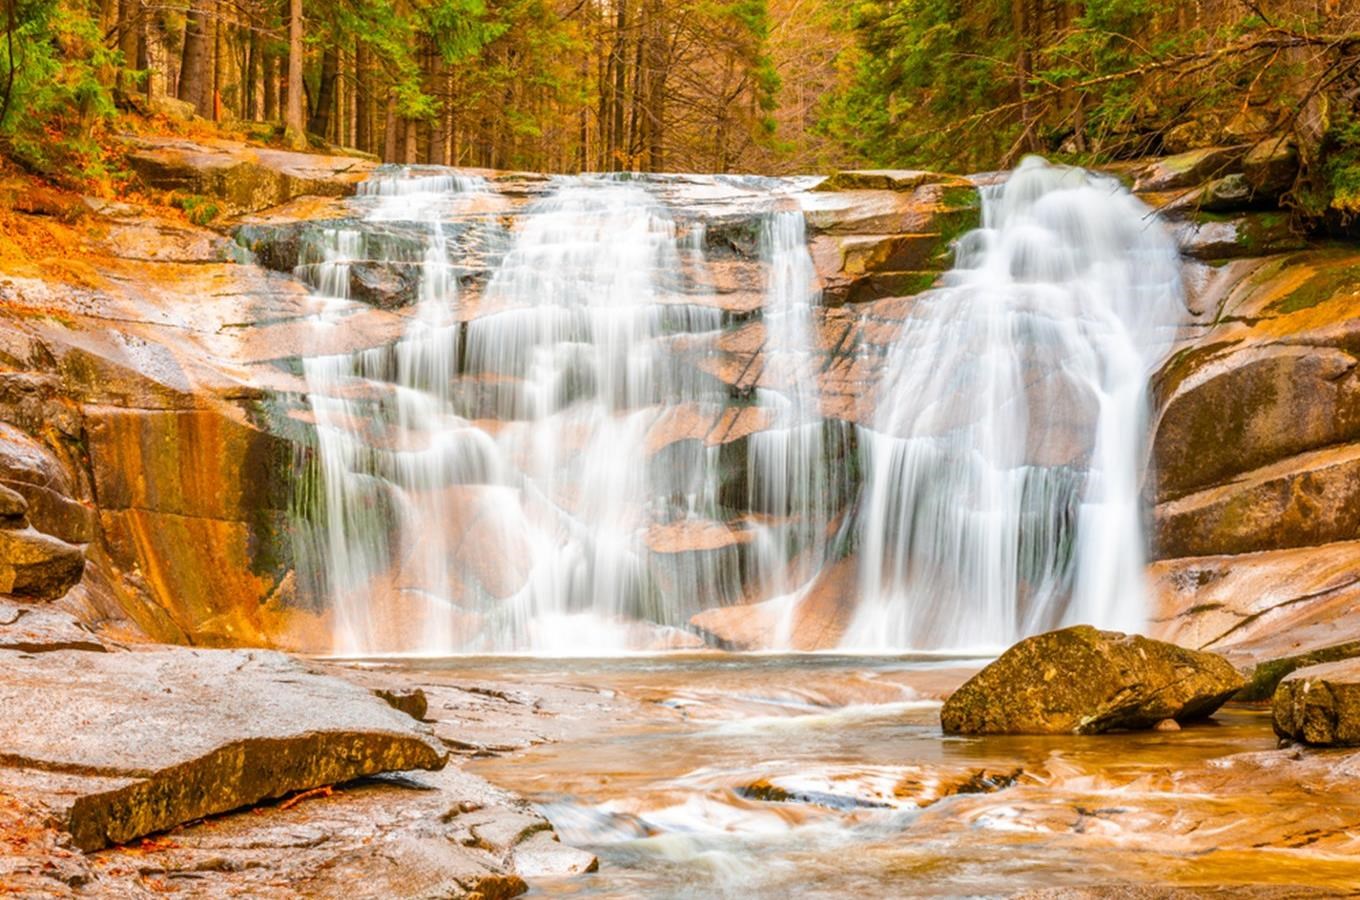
[{"x": 828, "y": 776}]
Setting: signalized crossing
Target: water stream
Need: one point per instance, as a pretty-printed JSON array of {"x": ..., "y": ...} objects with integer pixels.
[{"x": 825, "y": 776}]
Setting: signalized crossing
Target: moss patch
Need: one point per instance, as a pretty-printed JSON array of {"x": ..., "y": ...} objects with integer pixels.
[{"x": 1322, "y": 287}]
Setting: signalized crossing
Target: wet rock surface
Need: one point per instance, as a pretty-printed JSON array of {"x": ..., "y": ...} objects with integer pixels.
[
  {"x": 132, "y": 743},
  {"x": 42, "y": 629},
  {"x": 242, "y": 178},
  {"x": 332, "y": 823},
  {"x": 825, "y": 778},
  {"x": 1320, "y": 704},
  {"x": 1083, "y": 681}
]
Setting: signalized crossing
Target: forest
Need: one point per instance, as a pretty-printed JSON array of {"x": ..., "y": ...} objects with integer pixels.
[{"x": 764, "y": 86}]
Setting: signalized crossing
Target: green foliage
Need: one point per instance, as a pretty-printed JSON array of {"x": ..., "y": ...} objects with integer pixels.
[
  {"x": 919, "y": 65},
  {"x": 56, "y": 97},
  {"x": 1336, "y": 189},
  {"x": 977, "y": 83},
  {"x": 198, "y": 209}
]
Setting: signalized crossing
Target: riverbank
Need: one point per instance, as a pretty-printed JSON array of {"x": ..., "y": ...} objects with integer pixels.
[{"x": 717, "y": 775}]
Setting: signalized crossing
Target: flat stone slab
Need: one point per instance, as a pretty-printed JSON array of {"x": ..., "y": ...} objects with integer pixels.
[
  {"x": 120, "y": 745},
  {"x": 41, "y": 629},
  {"x": 1320, "y": 704}
]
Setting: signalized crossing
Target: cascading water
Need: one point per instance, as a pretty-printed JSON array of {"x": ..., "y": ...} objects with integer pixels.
[
  {"x": 794, "y": 484},
  {"x": 581, "y": 367},
  {"x": 1002, "y": 472},
  {"x": 531, "y": 462},
  {"x": 389, "y": 443}
]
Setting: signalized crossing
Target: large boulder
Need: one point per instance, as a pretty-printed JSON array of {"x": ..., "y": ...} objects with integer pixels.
[
  {"x": 240, "y": 178},
  {"x": 1188, "y": 169},
  {"x": 1320, "y": 704},
  {"x": 33, "y": 564},
  {"x": 1083, "y": 681},
  {"x": 1271, "y": 166},
  {"x": 119, "y": 745}
]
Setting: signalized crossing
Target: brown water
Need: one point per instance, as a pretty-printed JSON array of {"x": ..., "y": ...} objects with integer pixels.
[{"x": 824, "y": 776}]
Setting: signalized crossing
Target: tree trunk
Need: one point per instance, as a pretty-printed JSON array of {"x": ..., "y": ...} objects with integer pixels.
[
  {"x": 129, "y": 41},
  {"x": 193, "y": 69},
  {"x": 411, "y": 152},
  {"x": 294, "y": 125},
  {"x": 214, "y": 83},
  {"x": 325, "y": 97},
  {"x": 658, "y": 65},
  {"x": 363, "y": 119},
  {"x": 269, "y": 83},
  {"x": 620, "y": 87},
  {"x": 390, "y": 132},
  {"x": 250, "y": 79}
]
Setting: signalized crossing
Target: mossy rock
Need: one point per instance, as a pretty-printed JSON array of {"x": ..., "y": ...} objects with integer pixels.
[
  {"x": 1320, "y": 705},
  {"x": 1266, "y": 677},
  {"x": 1080, "y": 680},
  {"x": 882, "y": 180}
]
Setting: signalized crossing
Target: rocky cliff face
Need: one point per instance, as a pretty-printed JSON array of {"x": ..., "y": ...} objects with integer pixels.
[
  {"x": 1254, "y": 480},
  {"x": 152, "y": 393}
]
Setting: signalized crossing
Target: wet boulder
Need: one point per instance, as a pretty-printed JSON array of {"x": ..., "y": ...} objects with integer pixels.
[
  {"x": 1188, "y": 169},
  {"x": 1320, "y": 705},
  {"x": 118, "y": 745},
  {"x": 1080, "y": 680}
]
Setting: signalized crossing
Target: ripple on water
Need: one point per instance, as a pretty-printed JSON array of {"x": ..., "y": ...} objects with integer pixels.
[{"x": 802, "y": 778}]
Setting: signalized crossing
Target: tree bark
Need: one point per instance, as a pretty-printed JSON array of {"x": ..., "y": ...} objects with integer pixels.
[
  {"x": 320, "y": 121},
  {"x": 363, "y": 119},
  {"x": 390, "y": 132},
  {"x": 193, "y": 69},
  {"x": 129, "y": 41},
  {"x": 294, "y": 125}
]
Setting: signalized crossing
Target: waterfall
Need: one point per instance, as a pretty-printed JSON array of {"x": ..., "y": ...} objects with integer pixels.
[
  {"x": 542, "y": 455},
  {"x": 794, "y": 487},
  {"x": 582, "y": 366},
  {"x": 1002, "y": 470},
  {"x": 390, "y": 445}
]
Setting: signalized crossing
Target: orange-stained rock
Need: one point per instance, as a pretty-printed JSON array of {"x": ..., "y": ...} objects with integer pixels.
[
  {"x": 238, "y": 177},
  {"x": 1258, "y": 606},
  {"x": 37, "y": 565},
  {"x": 197, "y": 463}
]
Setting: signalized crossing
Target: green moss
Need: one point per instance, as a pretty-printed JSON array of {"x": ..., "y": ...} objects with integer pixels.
[
  {"x": 1323, "y": 286},
  {"x": 199, "y": 209},
  {"x": 962, "y": 196},
  {"x": 1268, "y": 675}
]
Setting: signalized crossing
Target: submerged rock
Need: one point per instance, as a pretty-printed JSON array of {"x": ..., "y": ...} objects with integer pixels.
[
  {"x": 1083, "y": 681},
  {"x": 119, "y": 745},
  {"x": 1320, "y": 704}
]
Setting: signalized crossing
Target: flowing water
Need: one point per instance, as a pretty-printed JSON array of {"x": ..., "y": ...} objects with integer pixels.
[
  {"x": 825, "y": 776},
  {"x": 1002, "y": 494},
  {"x": 530, "y": 463}
]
